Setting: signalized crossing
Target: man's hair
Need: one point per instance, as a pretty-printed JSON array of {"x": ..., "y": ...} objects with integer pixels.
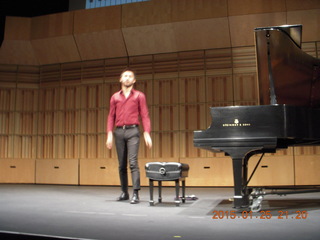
[{"x": 127, "y": 69}]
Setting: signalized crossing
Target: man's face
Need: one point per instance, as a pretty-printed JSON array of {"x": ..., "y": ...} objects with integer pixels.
[{"x": 127, "y": 79}]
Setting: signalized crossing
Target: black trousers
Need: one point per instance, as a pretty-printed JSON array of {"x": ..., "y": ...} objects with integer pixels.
[{"x": 127, "y": 144}]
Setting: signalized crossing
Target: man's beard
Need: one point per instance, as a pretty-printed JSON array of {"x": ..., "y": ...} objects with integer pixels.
[{"x": 128, "y": 85}]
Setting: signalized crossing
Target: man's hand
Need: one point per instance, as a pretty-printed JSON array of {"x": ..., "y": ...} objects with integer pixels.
[
  {"x": 147, "y": 139},
  {"x": 109, "y": 140}
]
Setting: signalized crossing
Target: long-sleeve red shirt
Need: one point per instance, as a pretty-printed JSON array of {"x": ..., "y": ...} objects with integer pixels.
[{"x": 126, "y": 111}]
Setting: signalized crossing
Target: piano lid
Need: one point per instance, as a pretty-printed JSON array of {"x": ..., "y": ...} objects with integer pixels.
[
  {"x": 286, "y": 74},
  {"x": 293, "y": 31}
]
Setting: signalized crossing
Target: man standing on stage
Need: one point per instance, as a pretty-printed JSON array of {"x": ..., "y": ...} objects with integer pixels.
[{"x": 125, "y": 108}]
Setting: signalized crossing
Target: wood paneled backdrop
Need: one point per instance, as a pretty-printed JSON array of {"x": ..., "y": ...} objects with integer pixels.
[{"x": 58, "y": 72}]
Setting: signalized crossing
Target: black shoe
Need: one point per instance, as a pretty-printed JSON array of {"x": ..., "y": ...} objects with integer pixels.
[
  {"x": 135, "y": 198},
  {"x": 123, "y": 196}
]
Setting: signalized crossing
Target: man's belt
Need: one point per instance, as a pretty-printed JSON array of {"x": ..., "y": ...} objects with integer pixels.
[{"x": 128, "y": 126}]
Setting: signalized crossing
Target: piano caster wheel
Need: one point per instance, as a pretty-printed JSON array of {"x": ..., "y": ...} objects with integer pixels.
[
  {"x": 151, "y": 203},
  {"x": 177, "y": 203},
  {"x": 183, "y": 200},
  {"x": 159, "y": 200},
  {"x": 256, "y": 204}
]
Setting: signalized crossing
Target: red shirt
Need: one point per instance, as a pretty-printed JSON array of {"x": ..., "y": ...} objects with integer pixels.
[{"x": 126, "y": 111}]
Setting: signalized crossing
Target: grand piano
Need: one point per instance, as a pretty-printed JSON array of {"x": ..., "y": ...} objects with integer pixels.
[{"x": 288, "y": 114}]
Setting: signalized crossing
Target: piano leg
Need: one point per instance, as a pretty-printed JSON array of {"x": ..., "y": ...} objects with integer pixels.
[
  {"x": 240, "y": 175},
  {"x": 240, "y": 198}
]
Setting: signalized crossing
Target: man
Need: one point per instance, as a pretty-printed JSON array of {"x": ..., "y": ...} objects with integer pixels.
[{"x": 125, "y": 108}]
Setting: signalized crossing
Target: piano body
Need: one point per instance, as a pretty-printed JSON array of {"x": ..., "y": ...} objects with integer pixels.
[{"x": 288, "y": 114}]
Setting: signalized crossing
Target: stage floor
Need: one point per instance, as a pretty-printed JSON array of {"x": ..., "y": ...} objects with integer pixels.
[{"x": 91, "y": 212}]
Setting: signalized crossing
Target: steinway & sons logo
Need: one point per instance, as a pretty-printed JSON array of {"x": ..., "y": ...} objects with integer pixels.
[{"x": 236, "y": 123}]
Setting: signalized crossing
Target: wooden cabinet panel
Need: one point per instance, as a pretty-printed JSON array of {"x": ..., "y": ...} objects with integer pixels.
[
  {"x": 57, "y": 171},
  {"x": 17, "y": 170},
  {"x": 209, "y": 171},
  {"x": 99, "y": 172},
  {"x": 307, "y": 170},
  {"x": 105, "y": 172},
  {"x": 272, "y": 171}
]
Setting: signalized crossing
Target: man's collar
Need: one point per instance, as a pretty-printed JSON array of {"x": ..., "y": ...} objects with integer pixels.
[{"x": 131, "y": 91}]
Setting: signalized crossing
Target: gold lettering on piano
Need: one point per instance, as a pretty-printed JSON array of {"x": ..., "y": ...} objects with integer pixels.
[{"x": 236, "y": 123}]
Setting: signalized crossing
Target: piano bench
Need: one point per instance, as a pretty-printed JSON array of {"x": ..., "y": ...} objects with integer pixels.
[{"x": 167, "y": 171}]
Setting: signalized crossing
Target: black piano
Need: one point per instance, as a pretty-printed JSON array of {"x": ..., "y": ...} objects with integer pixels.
[{"x": 288, "y": 114}]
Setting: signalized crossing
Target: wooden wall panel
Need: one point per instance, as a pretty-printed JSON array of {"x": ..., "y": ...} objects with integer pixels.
[
  {"x": 187, "y": 150},
  {"x": 166, "y": 118},
  {"x": 166, "y": 144},
  {"x": 157, "y": 12},
  {"x": 7, "y": 99},
  {"x": 17, "y": 170},
  {"x": 88, "y": 146},
  {"x": 166, "y": 91},
  {"x": 16, "y": 47},
  {"x": 186, "y": 10},
  {"x": 245, "y": 89},
  {"x": 52, "y": 39},
  {"x": 26, "y": 123},
  {"x": 49, "y": 99},
  {"x": 55, "y": 50},
  {"x": 146, "y": 13},
  {"x": 93, "y": 71},
  {"x": 142, "y": 40},
  {"x": 27, "y": 100},
  {"x": 219, "y": 89},
  {"x": 255, "y": 6},
  {"x": 98, "y": 37},
  {"x": 29, "y": 77},
  {"x": 45, "y": 146},
  {"x": 17, "y": 28},
  {"x": 310, "y": 21},
  {"x": 144, "y": 151},
  {"x": 93, "y": 96},
  {"x": 103, "y": 44},
  {"x": 201, "y": 34},
  {"x": 18, "y": 52},
  {"x": 57, "y": 171},
  {"x": 4, "y": 146},
  {"x": 144, "y": 84},
  {"x": 192, "y": 89},
  {"x": 94, "y": 20},
  {"x": 7, "y": 123},
  {"x": 52, "y": 25},
  {"x": 69, "y": 98},
  {"x": 294, "y": 5},
  {"x": 193, "y": 117},
  {"x": 241, "y": 27}
]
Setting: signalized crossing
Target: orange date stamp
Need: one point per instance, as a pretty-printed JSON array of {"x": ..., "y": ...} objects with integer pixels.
[{"x": 259, "y": 215}]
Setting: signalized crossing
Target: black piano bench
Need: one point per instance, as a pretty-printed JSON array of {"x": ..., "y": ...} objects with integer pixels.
[{"x": 167, "y": 171}]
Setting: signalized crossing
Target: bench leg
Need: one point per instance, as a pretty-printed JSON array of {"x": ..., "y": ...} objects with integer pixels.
[
  {"x": 183, "y": 191},
  {"x": 160, "y": 191},
  {"x": 151, "y": 202},
  {"x": 177, "y": 199}
]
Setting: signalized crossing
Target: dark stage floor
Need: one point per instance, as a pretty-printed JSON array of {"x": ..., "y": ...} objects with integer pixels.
[{"x": 91, "y": 212}]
